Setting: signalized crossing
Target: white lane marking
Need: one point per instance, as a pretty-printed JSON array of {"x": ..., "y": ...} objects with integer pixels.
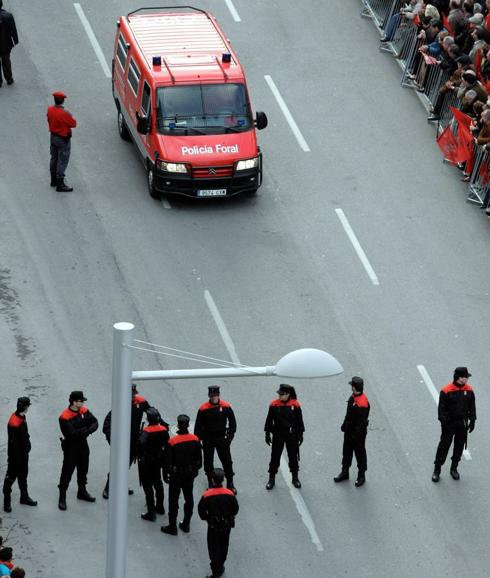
[
  {"x": 289, "y": 117},
  {"x": 357, "y": 246},
  {"x": 93, "y": 39},
  {"x": 166, "y": 203},
  {"x": 225, "y": 336},
  {"x": 233, "y": 11},
  {"x": 295, "y": 494},
  {"x": 435, "y": 395}
]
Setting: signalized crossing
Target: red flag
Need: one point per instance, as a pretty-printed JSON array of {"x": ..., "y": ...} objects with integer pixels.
[
  {"x": 446, "y": 25},
  {"x": 461, "y": 118},
  {"x": 478, "y": 60},
  {"x": 448, "y": 145},
  {"x": 416, "y": 19},
  {"x": 484, "y": 173},
  {"x": 466, "y": 147}
]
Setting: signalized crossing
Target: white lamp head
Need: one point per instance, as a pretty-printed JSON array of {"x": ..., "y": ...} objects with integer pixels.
[{"x": 307, "y": 363}]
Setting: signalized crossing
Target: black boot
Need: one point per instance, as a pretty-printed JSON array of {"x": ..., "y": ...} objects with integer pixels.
[
  {"x": 185, "y": 526},
  {"x": 171, "y": 528},
  {"x": 105, "y": 493},
  {"x": 62, "y": 500},
  {"x": 149, "y": 516},
  {"x": 62, "y": 187},
  {"x": 271, "y": 483},
  {"x": 361, "y": 479},
  {"x": 437, "y": 473},
  {"x": 7, "y": 503},
  {"x": 83, "y": 495},
  {"x": 26, "y": 500},
  {"x": 295, "y": 481},
  {"x": 454, "y": 471},
  {"x": 54, "y": 181},
  {"x": 344, "y": 475}
]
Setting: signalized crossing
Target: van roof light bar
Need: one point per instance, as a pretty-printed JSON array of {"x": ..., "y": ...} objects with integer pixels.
[
  {"x": 159, "y": 8},
  {"x": 172, "y": 78}
]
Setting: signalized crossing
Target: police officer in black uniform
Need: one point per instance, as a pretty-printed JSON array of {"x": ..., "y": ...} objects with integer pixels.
[
  {"x": 216, "y": 426},
  {"x": 183, "y": 460},
  {"x": 19, "y": 446},
  {"x": 152, "y": 444},
  {"x": 218, "y": 507},
  {"x": 139, "y": 405},
  {"x": 355, "y": 430},
  {"x": 457, "y": 414},
  {"x": 284, "y": 427},
  {"x": 76, "y": 424}
]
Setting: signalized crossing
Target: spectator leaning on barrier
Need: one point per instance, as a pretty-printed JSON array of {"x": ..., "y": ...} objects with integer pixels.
[
  {"x": 481, "y": 37},
  {"x": 470, "y": 82},
  {"x": 483, "y": 137},
  {"x": 469, "y": 100}
]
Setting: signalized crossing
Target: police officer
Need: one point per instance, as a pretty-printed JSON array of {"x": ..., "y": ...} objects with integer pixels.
[
  {"x": 139, "y": 405},
  {"x": 60, "y": 123},
  {"x": 8, "y": 39},
  {"x": 355, "y": 430},
  {"x": 76, "y": 423},
  {"x": 19, "y": 446},
  {"x": 216, "y": 426},
  {"x": 150, "y": 449},
  {"x": 218, "y": 507},
  {"x": 457, "y": 414},
  {"x": 284, "y": 427},
  {"x": 183, "y": 460}
]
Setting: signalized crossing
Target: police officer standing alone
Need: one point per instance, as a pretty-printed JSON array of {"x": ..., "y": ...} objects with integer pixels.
[
  {"x": 457, "y": 414},
  {"x": 60, "y": 123},
  {"x": 152, "y": 444},
  {"x": 183, "y": 460},
  {"x": 19, "y": 446},
  {"x": 8, "y": 39},
  {"x": 355, "y": 430},
  {"x": 76, "y": 423},
  {"x": 216, "y": 426},
  {"x": 218, "y": 507},
  {"x": 284, "y": 427}
]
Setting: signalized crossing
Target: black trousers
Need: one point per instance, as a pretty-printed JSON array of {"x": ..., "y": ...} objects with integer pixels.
[
  {"x": 292, "y": 447},
  {"x": 16, "y": 470},
  {"x": 222, "y": 447},
  {"x": 175, "y": 486},
  {"x": 354, "y": 445},
  {"x": 7, "y": 67},
  {"x": 74, "y": 456},
  {"x": 152, "y": 482},
  {"x": 456, "y": 431},
  {"x": 218, "y": 542},
  {"x": 60, "y": 149}
]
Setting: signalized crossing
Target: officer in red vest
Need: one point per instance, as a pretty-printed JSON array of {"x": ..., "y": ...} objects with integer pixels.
[
  {"x": 60, "y": 123},
  {"x": 457, "y": 414},
  {"x": 284, "y": 427},
  {"x": 183, "y": 460},
  {"x": 355, "y": 430},
  {"x": 218, "y": 507},
  {"x": 151, "y": 447},
  {"x": 19, "y": 446},
  {"x": 76, "y": 424}
]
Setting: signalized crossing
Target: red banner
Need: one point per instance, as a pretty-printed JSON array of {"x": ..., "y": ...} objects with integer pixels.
[
  {"x": 448, "y": 145},
  {"x": 461, "y": 117}
]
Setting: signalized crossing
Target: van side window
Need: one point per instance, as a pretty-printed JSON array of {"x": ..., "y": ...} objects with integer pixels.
[
  {"x": 122, "y": 51},
  {"x": 133, "y": 76},
  {"x": 145, "y": 99}
]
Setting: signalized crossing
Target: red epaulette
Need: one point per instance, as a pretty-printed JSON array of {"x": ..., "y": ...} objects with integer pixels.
[
  {"x": 70, "y": 414},
  {"x": 155, "y": 428},
  {"x": 450, "y": 387},
  {"x": 181, "y": 438},
  {"x": 138, "y": 399},
  {"x": 290, "y": 403},
  {"x": 15, "y": 420},
  {"x": 218, "y": 492},
  {"x": 207, "y": 405},
  {"x": 361, "y": 400}
]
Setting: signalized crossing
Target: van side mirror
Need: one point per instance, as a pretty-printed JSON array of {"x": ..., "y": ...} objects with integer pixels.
[
  {"x": 260, "y": 120},
  {"x": 143, "y": 125}
]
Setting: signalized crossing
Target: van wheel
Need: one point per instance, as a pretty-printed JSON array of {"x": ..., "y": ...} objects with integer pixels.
[
  {"x": 121, "y": 127},
  {"x": 154, "y": 194}
]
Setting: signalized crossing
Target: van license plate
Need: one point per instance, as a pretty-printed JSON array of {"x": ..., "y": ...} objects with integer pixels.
[{"x": 211, "y": 193}]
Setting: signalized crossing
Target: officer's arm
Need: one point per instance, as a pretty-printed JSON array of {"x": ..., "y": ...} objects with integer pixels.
[
  {"x": 202, "y": 509},
  {"x": 442, "y": 408},
  {"x": 299, "y": 419},
  {"x": 67, "y": 429},
  {"x": 198, "y": 456},
  {"x": 106, "y": 428},
  {"x": 472, "y": 412},
  {"x": 141, "y": 444},
  {"x": 362, "y": 420},
  {"x": 269, "y": 421},
  {"x": 231, "y": 420},
  {"x": 236, "y": 507},
  {"x": 198, "y": 426},
  {"x": 70, "y": 120},
  {"x": 13, "y": 30}
]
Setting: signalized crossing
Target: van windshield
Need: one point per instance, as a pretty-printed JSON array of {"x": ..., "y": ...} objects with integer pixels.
[{"x": 203, "y": 109}]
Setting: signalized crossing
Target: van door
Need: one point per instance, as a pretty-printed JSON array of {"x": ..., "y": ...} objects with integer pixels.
[
  {"x": 119, "y": 66},
  {"x": 145, "y": 111},
  {"x": 132, "y": 89}
]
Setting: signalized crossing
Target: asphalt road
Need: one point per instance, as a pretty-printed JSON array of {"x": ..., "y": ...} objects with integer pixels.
[{"x": 283, "y": 275}]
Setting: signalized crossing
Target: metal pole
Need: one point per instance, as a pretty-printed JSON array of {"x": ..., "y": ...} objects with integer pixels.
[
  {"x": 117, "y": 526},
  {"x": 216, "y": 372}
]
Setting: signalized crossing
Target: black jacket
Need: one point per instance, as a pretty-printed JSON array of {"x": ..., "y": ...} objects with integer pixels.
[
  {"x": 215, "y": 421},
  {"x": 356, "y": 418},
  {"x": 152, "y": 444},
  {"x": 8, "y": 32},
  {"x": 19, "y": 443},
  {"x": 139, "y": 405},
  {"x": 456, "y": 403},
  {"x": 183, "y": 458},
  {"x": 76, "y": 426},
  {"x": 284, "y": 418},
  {"x": 218, "y": 507}
]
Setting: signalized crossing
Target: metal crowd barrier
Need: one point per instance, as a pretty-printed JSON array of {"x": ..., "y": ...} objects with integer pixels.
[
  {"x": 446, "y": 116},
  {"x": 479, "y": 180},
  {"x": 379, "y": 10}
]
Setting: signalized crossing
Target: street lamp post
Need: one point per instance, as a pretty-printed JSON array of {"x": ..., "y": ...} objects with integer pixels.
[{"x": 302, "y": 363}]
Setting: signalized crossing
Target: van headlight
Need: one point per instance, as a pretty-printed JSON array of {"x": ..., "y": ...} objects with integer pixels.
[
  {"x": 247, "y": 164},
  {"x": 172, "y": 167}
]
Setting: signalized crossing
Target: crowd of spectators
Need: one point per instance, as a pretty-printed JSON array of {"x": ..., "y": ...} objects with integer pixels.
[
  {"x": 455, "y": 36},
  {"x": 7, "y": 566}
]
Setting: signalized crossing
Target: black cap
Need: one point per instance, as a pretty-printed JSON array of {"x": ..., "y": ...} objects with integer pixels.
[
  {"x": 6, "y": 554},
  {"x": 285, "y": 388},
  {"x": 213, "y": 390},
  {"x": 357, "y": 382},
  {"x": 218, "y": 475},
  {"x": 152, "y": 415},
  {"x": 77, "y": 396},
  {"x": 183, "y": 420},
  {"x": 23, "y": 403},
  {"x": 461, "y": 372}
]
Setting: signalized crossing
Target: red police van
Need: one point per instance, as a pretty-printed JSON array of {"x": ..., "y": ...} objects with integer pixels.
[{"x": 182, "y": 97}]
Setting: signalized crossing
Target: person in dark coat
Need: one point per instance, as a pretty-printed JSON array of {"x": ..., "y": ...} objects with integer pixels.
[
  {"x": 183, "y": 460},
  {"x": 139, "y": 406},
  {"x": 151, "y": 447},
  {"x": 218, "y": 507},
  {"x": 216, "y": 427},
  {"x": 284, "y": 427},
  {"x": 76, "y": 424},
  {"x": 19, "y": 446},
  {"x": 8, "y": 39},
  {"x": 457, "y": 414},
  {"x": 355, "y": 430}
]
